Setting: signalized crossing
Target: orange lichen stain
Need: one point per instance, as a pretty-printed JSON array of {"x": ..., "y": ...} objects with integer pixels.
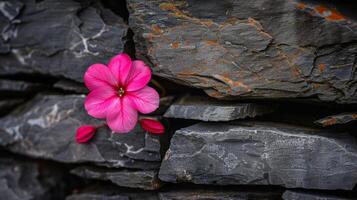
[
  {"x": 354, "y": 116},
  {"x": 322, "y": 67},
  {"x": 231, "y": 20},
  {"x": 175, "y": 45},
  {"x": 168, "y": 6},
  {"x": 156, "y": 29},
  {"x": 296, "y": 71},
  {"x": 329, "y": 122},
  {"x": 301, "y": 6},
  {"x": 335, "y": 16},
  {"x": 212, "y": 42},
  {"x": 316, "y": 85},
  {"x": 321, "y": 9}
]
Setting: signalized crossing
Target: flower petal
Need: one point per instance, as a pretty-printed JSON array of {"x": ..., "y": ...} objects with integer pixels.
[
  {"x": 145, "y": 100},
  {"x": 120, "y": 66},
  {"x": 122, "y": 117},
  {"x": 85, "y": 133},
  {"x": 97, "y": 76},
  {"x": 139, "y": 76},
  {"x": 98, "y": 101},
  {"x": 152, "y": 126}
]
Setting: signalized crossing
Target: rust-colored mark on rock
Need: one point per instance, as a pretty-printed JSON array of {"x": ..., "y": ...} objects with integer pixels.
[
  {"x": 301, "y": 6},
  {"x": 212, "y": 42},
  {"x": 156, "y": 29},
  {"x": 168, "y": 6},
  {"x": 329, "y": 14},
  {"x": 329, "y": 122},
  {"x": 335, "y": 16},
  {"x": 322, "y": 67},
  {"x": 354, "y": 116},
  {"x": 175, "y": 45}
]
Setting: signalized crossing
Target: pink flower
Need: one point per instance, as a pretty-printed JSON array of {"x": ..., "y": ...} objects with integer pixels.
[
  {"x": 85, "y": 133},
  {"x": 119, "y": 91},
  {"x": 152, "y": 126}
]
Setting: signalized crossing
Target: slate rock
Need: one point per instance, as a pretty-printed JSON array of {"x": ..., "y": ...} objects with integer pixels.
[
  {"x": 216, "y": 194},
  {"x": 144, "y": 179},
  {"x": 7, "y": 104},
  {"x": 258, "y": 49},
  {"x": 208, "y": 109},
  {"x": 76, "y": 35},
  {"x": 71, "y": 86},
  {"x": 108, "y": 192},
  {"x": 21, "y": 180},
  {"x": 258, "y": 153},
  {"x": 45, "y": 128},
  {"x": 298, "y": 195},
  {"x": 20, "y": 87},
  {"x": 339, "y": 119}
]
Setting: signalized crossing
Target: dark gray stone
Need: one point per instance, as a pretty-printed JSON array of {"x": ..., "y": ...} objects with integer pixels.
[
  {"x": 298, "y": 195},
  {"x": 144, "y": 179},
  {"x": 21, "y": 87},
  {"x": 208, "y": 109},
  {"x": 7, "y": 104},
  {"x": 259, "y": 153},
  {"x": 211, "y": 194},
  {"x": 71, "y": 86},
  {"x": 59, "y": 38},
  {"x": 97, "y": 197},
  {"x": 20, "y": 180},
  {"x": 45, "y": 128},
  {"x": 258, "y": 49},
  {"x": 339, "y": 119}
]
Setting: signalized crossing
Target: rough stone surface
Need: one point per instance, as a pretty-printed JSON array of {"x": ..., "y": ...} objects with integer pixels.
[
  {"x": 143, "y": 179},
  {"x": 45, "y": 128},
  {"x": 20, "y": 180},
  {"x": 60, "y": 38},
  {"x": 207, "y": 109},
  {"x": 296, "y": 195},
  {"x": 261, "y": 154},
  {"x": 342, "y": 118},
  {"x": 250, "y": 49},
  {"x": 71, "y": 86},
  {"x": 15, "y": 86},
  {"x": 204, "y": 194},
  {"x": 7, "y": 104}
]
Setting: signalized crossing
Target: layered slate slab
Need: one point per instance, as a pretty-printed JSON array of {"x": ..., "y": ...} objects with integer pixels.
[
  {"x": 299, "y": 195},
  {"x": 259, "y": 153},
  {"x": 144, "y": 179},
  {"x": 45, "y": 128},
  {"x": 208, "y": 109},
  {"x": 59, "y": 38},
  {"x": 259, "y": 49},
  {"x": 339, "y": 119}
]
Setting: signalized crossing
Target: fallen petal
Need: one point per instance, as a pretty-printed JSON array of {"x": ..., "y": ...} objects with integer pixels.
[
  {"x": 85, "y": 133},
  {"x": 152, "y": 126}
]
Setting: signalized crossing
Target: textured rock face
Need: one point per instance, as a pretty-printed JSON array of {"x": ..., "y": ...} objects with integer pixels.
[
  {"x": 294, "y": 195},
  {"x": 60, "y": 38},
  {"x": 146, "y": 180},
  {"x": 200, "y": 194},
  {"x": 19, "y": 180},
  {"x": 206, "y": 109},
  {"x": 250, "y": 49},
  {"x": 45, "y": 128},
  {"x": 261, "y": 154},
  {"x": 342, "y": 118}
]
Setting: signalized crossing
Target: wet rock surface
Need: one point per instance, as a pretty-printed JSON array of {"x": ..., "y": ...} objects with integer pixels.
[
  {"x": 261, "y": 154},
  {"x": 45, "y": 128},
  {"x": 207, "y": 109},
  {"x": 144, "y": 179},
  {"x": 77, "y": 34},
  {"x": 250, "y": 49}
]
